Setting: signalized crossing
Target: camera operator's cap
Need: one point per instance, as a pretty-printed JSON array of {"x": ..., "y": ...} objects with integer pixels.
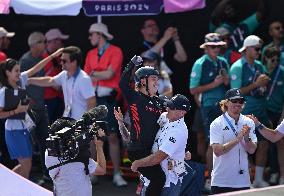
[
  {"x": 100, "y": 28},
  {"x": 212, "y": 39},
  {"x": 179, "y": 102},
  {"x": 234, "y": 93},
  {"x": 151, "y": 55},
  {"x": 5, "y": 33},
  {"x": 55, "y": 34},
  {"x": 251, "y": 40}
]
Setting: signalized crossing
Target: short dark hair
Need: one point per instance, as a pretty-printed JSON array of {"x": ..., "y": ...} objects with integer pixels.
[
  {"x": 270, "y": 52},
  {"x": 75, "y": 53}
]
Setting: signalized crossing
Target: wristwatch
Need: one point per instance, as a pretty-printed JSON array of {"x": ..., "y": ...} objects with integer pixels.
[{"x": 260, "y": 126}]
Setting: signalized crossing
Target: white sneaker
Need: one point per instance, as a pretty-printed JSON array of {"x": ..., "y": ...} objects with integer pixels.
[
  {"x": 273, "y": 178},
  {"x": 260, "y": 184},
  {"x": 118, "y": 180}
]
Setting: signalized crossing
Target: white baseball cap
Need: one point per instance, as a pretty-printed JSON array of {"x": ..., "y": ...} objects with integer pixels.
[
  {"x": 251, "y": 40},
  {"x": 5, "y": 33},
  {"x": 101, "y": 28},
  {"x": 55, "y": 34}
]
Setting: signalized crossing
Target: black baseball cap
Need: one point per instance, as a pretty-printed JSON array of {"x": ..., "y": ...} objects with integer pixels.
[
  {"x": 234, "y": 93},
  {"x": 179, "y": 102}
]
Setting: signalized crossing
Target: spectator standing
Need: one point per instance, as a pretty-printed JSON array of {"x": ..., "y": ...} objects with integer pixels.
[
  {"x": 274, "y": 105},
  {"x": 250, "y": 77},
  {"x": 232, "y": 138},
  {"x": 209, "y": 77},
  {"x": 103, "y": 64},
  {"x": 226, "y": 14},
  {"x": 170, "y": 54},
  {"x": 4, "y": 42},
  {"x": 17, "y": 136},
  {"x": 276, "y": 32},
  {"x": 76, "y": 84},
  {"x": 37, "y": 43},
  {"x": 53, "y": 98}
]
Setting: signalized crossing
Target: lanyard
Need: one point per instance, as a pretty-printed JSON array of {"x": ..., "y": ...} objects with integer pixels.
[
  {"x": 231, "y": 126},
  {"x": 236, "y": 134},
  {"x": 102, "y": 50},
  {"x": 73, "y": 85},
  {"x": 273, "y": 83}
]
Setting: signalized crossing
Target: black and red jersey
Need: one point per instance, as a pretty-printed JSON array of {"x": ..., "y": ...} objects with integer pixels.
[{"x": 144, "y": 112}]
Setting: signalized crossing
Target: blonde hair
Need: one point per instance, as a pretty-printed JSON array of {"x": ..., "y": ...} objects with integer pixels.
[{"x": 223, "y": 105}]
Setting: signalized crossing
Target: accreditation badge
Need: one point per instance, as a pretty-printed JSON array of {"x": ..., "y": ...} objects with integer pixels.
[{"x": 67, "y": 111}]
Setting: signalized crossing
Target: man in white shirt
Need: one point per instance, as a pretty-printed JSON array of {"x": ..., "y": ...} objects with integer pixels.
[
  {"x": 169, "y": 146},
  {"x": 73, "y": 178},
  {"x": 231, "y": 137},
  {"x": 77, "y": 86}
]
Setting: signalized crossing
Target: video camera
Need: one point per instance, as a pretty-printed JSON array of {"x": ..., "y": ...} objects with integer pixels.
[{"x": 68, "y": 142}]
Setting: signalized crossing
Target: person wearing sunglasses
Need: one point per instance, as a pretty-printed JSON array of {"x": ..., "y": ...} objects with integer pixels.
[
  {"x": 276, "y": 32},
  {"x": 209, "y": 77},
  {"x": 250, "y": 77},
  {"x": 232, "y": 138},
  {"x": 274, "y": 106}
]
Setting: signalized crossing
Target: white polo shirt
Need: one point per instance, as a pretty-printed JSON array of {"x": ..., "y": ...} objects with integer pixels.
[
  {"x": 280, "y": 127},
  {"x": 76, "y": 90},
  {"x": 70, "y": 179},
  {"x": 226, "y": 167},
  {"x": 171, "y": 139}
]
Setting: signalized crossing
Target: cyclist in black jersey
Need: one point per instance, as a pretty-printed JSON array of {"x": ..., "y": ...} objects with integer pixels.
[{"x": 144, "y": 108}]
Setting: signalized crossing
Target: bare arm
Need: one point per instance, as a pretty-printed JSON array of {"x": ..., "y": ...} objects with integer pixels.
[
  {"x": 42, "y": 81},
  {"x": 102, "y": 75},
  {"x": 180, "y": 55},
  {"x": 262, "y": 80},
  {"x": 220, "y": 149},
  {"x": 270, "y": 134},
  {"x": 150, "y": 160},
  {"x": 20, "y": 108},
  {"x": 43, "y": 62},
  {"x": 101, "y": 167},
  {"x": 122, "y": 128},
  {"x": 91, "y": 102}
]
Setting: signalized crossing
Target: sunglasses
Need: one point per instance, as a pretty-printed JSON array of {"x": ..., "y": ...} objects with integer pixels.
[
  {"x": 257, "y": 49},
  {"x": 240, "y": 101},
  {"x": 278, "y": 28},
  {"x": 273, "y": 60},
  {"x": 213, "y": 47}
]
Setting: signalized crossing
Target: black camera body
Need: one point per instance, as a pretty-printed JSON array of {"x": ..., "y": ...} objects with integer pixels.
[{"x": 67, "y": 142}]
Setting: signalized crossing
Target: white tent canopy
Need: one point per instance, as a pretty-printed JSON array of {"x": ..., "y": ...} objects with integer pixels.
[{"x": 47, "y": 7}]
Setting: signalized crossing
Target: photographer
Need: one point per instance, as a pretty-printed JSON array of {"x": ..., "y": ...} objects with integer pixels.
[
  {"x": 73, "y": 178},
  {"x": 17, "y": 135}
]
